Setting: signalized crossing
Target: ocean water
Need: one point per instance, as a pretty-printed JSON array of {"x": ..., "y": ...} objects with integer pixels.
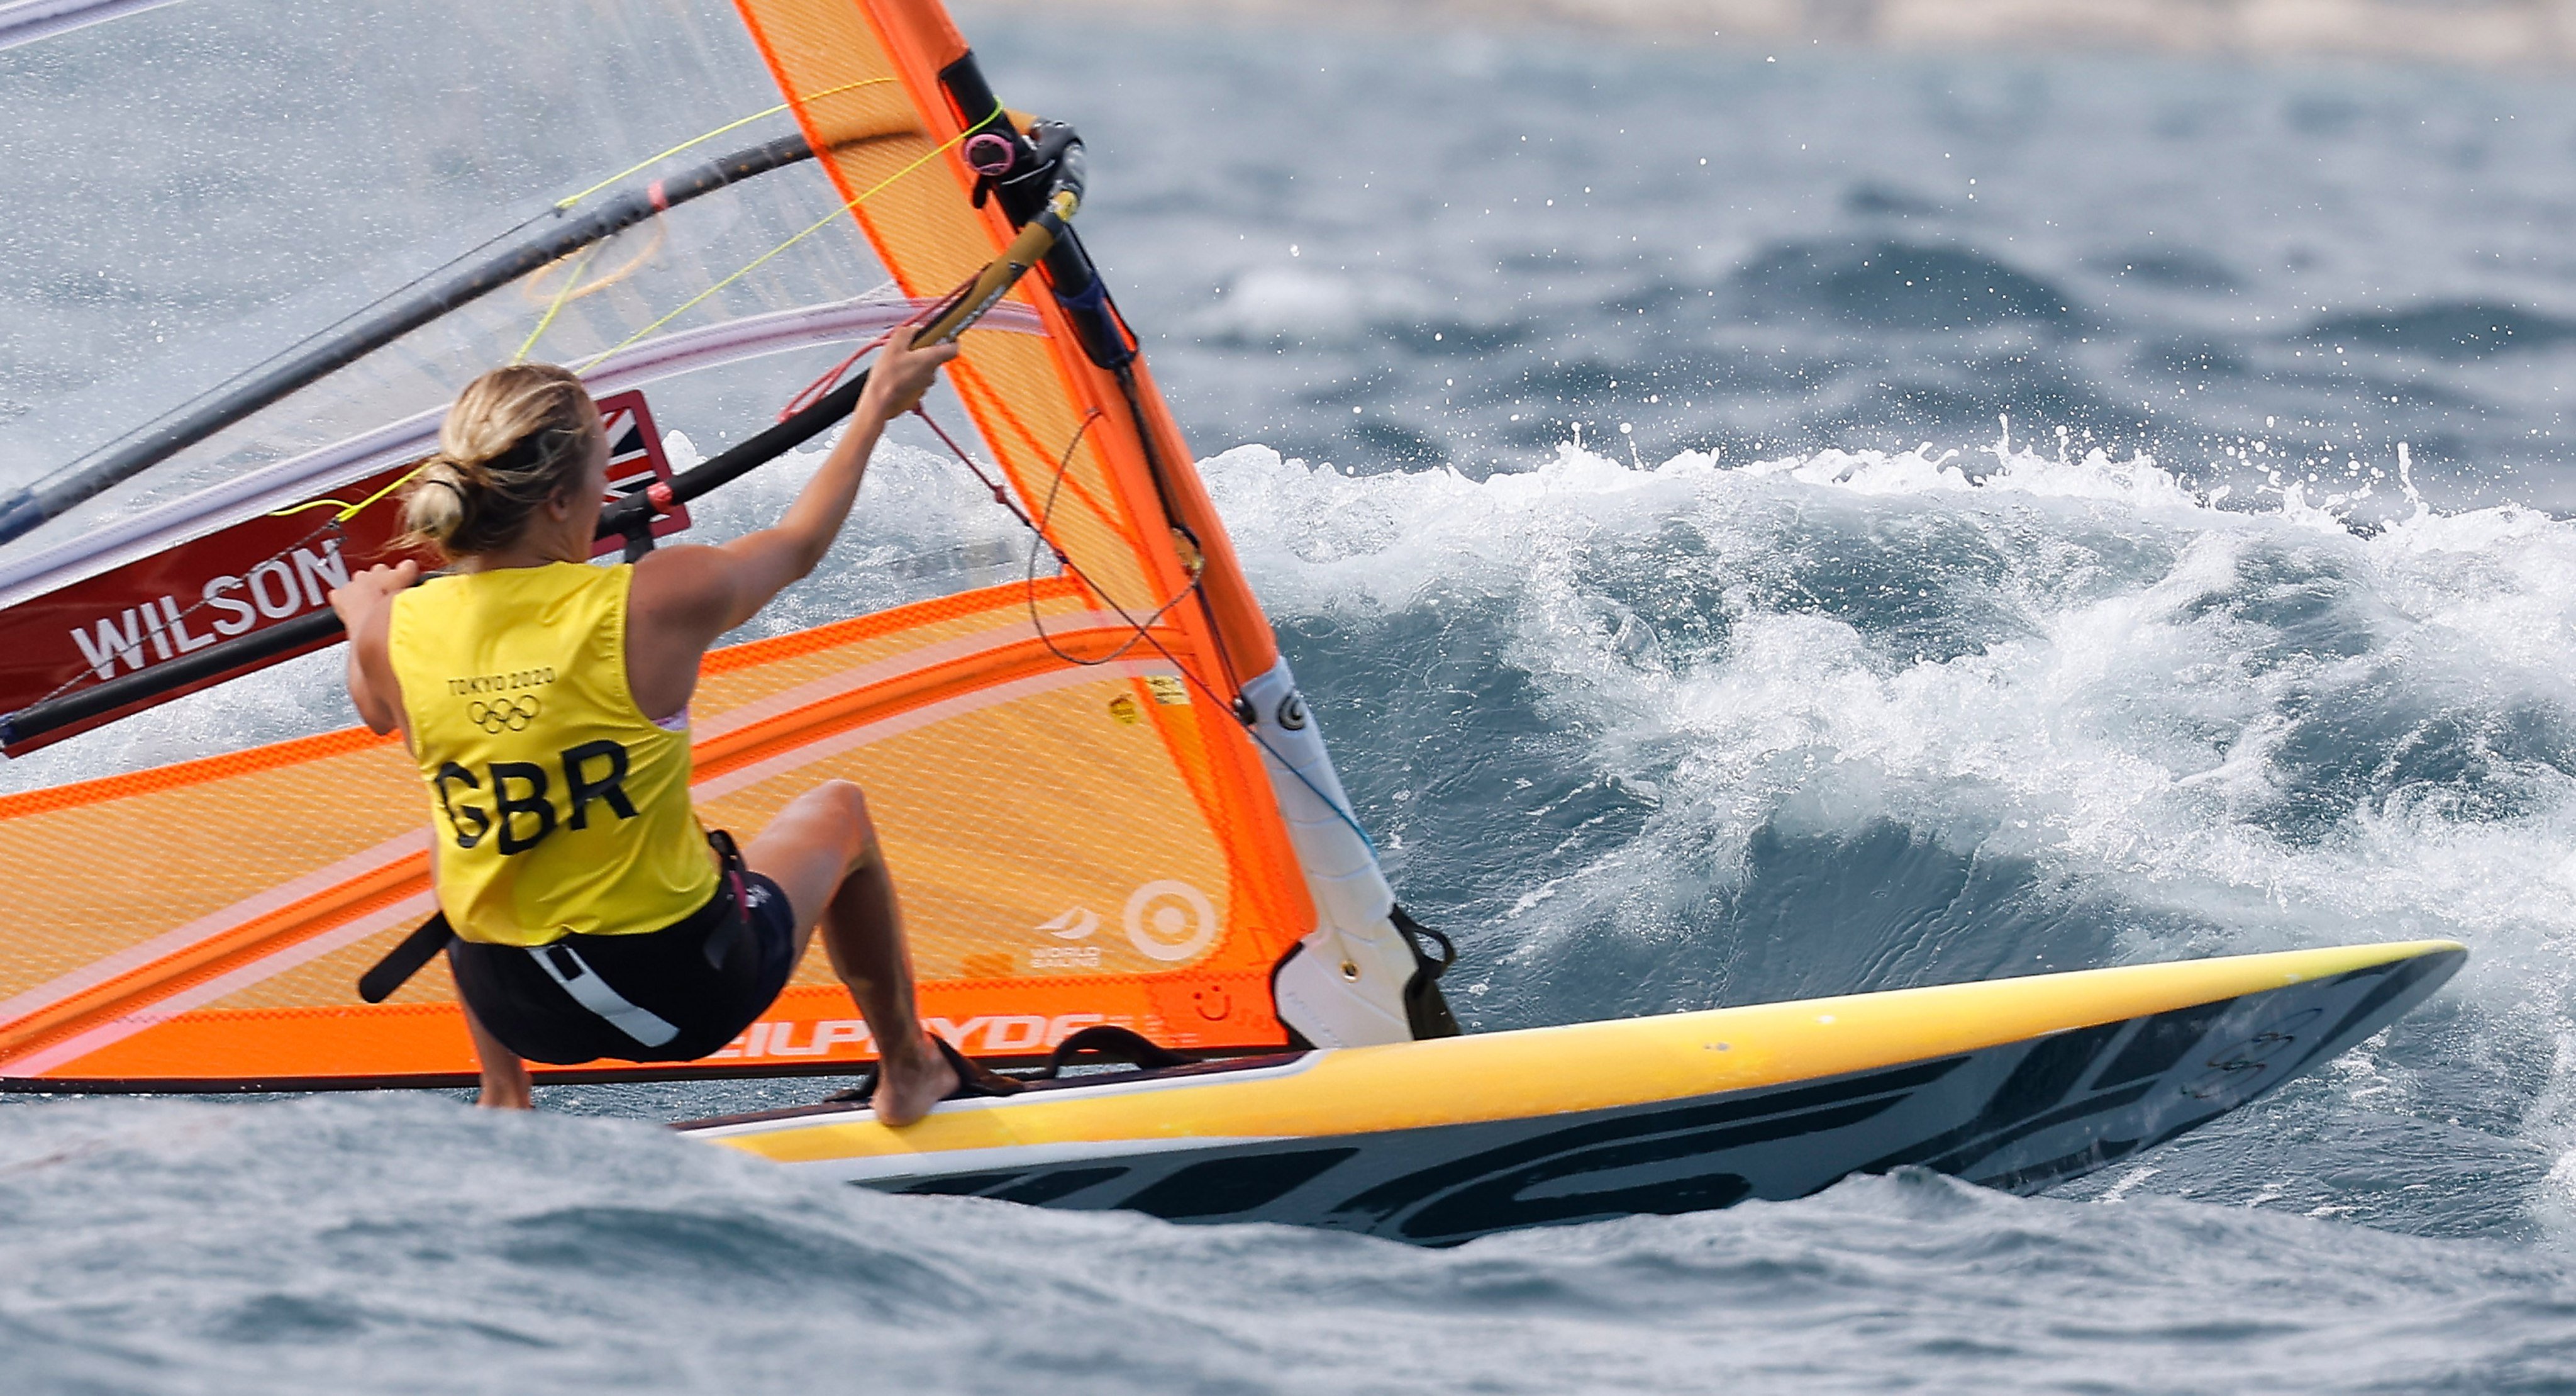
[{"x": 1821, "y": 676}]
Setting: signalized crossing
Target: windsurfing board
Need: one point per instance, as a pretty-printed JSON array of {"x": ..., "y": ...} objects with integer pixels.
[{"x": 2015, "y": 1084}]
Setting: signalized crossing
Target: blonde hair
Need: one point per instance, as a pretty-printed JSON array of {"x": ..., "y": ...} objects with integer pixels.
[{"x": 517, "y": 437}]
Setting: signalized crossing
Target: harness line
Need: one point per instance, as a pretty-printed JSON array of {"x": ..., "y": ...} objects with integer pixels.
[
  {"x": 565, "y": 204},
  {"x": 556, "y": 209},
  {"x": 757, "y": 262}
]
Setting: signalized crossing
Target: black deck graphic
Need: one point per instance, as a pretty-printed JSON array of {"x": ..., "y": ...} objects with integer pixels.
[
  {"x": 1387, "y": 1199},
  {"x": 1051, "y": 1187},
  {"x": 956, "y": 1185},
  {"x": 1223, "y": 1187},
  {"x": 2051, "y": 1069},
  {"x": 2020, "y": 1116},
  {"x": 2161, "y": 1041},
  {"x": 2402, "y": 975}
]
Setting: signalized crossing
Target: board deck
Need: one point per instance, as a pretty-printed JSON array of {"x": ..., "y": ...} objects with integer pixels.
[{"x": 2016, "y": 1084}]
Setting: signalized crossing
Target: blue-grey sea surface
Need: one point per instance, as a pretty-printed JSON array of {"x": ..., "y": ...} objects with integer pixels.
[{"x": 1803, "y": 673}]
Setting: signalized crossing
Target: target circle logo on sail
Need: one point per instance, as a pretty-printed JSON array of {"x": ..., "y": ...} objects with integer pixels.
[{"x": 1170, "y": 920}]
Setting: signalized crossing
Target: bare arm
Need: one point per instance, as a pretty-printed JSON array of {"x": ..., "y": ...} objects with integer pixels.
[
  {"x": 684, "y": 598},
  {"x": 366, "y": 607}
]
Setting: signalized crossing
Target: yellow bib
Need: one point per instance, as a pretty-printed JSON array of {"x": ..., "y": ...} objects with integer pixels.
[{"x": 558, "y": 806}]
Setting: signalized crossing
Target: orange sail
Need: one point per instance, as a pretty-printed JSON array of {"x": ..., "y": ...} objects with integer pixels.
[
  {"x": 1055, "y": 825},
  {"x": 1102, "y": 799}
]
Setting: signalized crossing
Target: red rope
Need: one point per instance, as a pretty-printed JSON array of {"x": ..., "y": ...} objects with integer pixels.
[{"x": 822, "y": 387}]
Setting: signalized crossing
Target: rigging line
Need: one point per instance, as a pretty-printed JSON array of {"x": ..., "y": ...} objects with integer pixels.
[
  {"x": 248, "y": 370},
  {"x": 757, "y": 262},
  {"x": 365, "y": 329},
  {"x": 1162, "y": 494},
  {"x": 348, "y": 511},
  {"x": 1249, "y": 729},
  {"x": 560, "y": 206},
  {"x": 1274, "y": 753},
  {"x": 814, "y": 391},
  {"x": 1001, "y": 495},
  {"x": 1037, "y": 531},
  {"x": 1046, "y": 517},
  {"x": 1143, "y": 633},
  {"x": 572, "y": 278},
  {"x": 1047, "y": 514},
  {"x": 532, "y": 288},
  {"x": 699, "y": 140}
]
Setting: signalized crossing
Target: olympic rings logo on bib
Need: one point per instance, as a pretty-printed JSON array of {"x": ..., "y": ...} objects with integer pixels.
[
  {"x": 503, "y": 714},
  {"x": 1170, "y": 921}
]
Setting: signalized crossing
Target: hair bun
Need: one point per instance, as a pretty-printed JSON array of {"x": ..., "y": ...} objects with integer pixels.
[{"x": 517, "y": 437}]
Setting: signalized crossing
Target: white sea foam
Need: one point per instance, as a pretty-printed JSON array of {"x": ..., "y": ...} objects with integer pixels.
[
  {"x": 2280, "y": 729},
  {"x": 2071, "y": 721}
]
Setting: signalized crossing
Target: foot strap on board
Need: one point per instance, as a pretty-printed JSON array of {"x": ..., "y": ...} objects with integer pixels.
[
  {"x": 405, "y": 959},
  {"x": 1425, "y": 1009},
  {"x": 973, "y": 1079},
  {"x": 1103, "y": 1043}
]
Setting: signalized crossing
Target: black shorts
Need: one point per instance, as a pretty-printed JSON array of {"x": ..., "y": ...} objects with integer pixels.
[{"x": 696, "y": 984}]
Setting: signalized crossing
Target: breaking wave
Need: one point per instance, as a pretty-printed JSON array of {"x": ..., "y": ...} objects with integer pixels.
[{"x": 1662, "y": 738}]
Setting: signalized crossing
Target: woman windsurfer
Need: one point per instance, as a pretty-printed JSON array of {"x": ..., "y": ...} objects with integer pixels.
[{"x": 546, "y": 702}]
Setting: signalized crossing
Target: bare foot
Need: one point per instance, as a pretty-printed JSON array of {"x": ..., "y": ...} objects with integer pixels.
[{"x": 909, "y": 1083}]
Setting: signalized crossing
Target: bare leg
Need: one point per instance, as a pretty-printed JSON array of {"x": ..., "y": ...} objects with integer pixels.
[
  {"x": 822, "y": 851},
  {"x": 505, "y": 1077}
]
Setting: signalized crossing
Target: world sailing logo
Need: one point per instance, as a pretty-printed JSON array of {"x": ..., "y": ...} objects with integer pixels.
[
  {"x": 1165, "y": 920},
  {"x": 1073, "y": 924}
]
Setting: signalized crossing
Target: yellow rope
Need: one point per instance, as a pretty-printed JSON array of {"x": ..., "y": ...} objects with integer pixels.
[
  {"x": 569, "y": 294},
  {"x": 572, "y": 278},
  {"x": 701, "y": 140},
  {"x": 757, "y": 262},
  {"x": 350, "y": 511}
]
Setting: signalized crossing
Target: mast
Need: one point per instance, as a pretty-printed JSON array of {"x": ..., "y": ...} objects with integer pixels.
[{"x": 1357, "y": 977}]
